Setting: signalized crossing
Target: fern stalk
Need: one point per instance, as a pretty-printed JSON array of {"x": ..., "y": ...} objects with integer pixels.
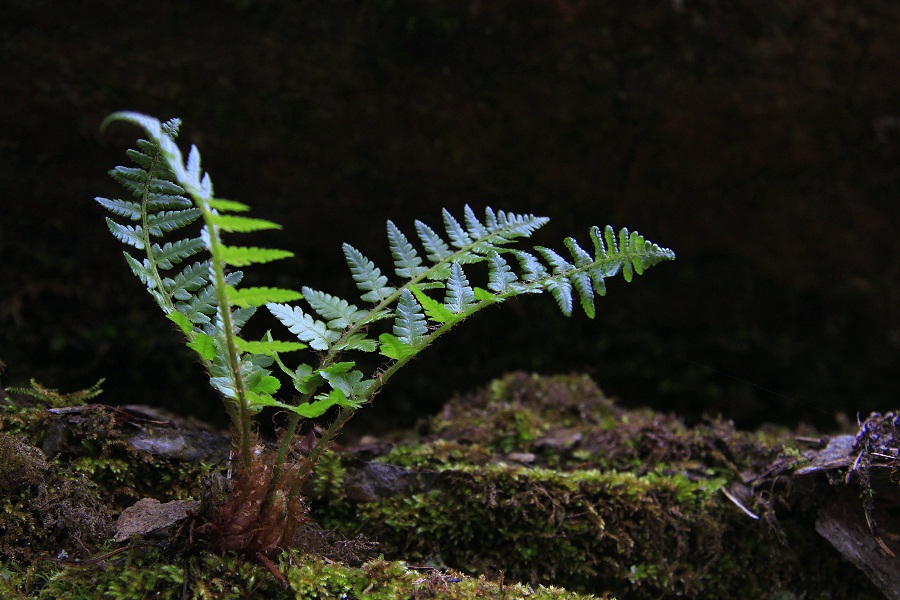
[{"x": 241, "y": 421}]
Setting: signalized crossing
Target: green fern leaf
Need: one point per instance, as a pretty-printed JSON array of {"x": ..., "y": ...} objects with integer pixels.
[
  {"x": 436, "y": 248},
  {"x": 144, "y": 159},
  {"x": 123, "y": 208},
  {"x": 579, "y": 255},
  {"x": 142, "y": 271},
  {"x": 407, "y": 263},
  {"x": 350, "y": 383},
  {"x": 204, "y": 345},
  {"x": 561, "y": 290},
  {"x": 127, "y": 234},
  {"x": 155, "y": 202},
  {"x": 460, "y": 296},
  {"x": 582, "y": 283},
  {"x": 166, "y": 221},
  {"x": 304, "y": 326},
  {"x": 267, "y": 347},
  {"x": 391, "y": 347},
  {"x": 356, "y": 341},
  {"x": 132, "y": 179},
  {"x": 241, "y": 256},
  {"x": 174, "y": 252},
  {"x": 532, "y": 269},
  {"x": 515, "y": 225},
  {"x": 260, "y": 296},
  {"x": 232, "y": 223},
  {"x": 556, "y": 261},
  {"x": 239, "y": 317},
  {"x": 475, "y": 227},
  {"x": 182, "y": 321},
  {"x": 201, "y": 305},
  {"x": 458, "y": 236},
  {"x": 500, "y": 276},
  {"x": 227, "y": 205},
  {"x": 340, "y": 313},
  {"x": 191, "y": 278},
  {"x": 409, "y": 324},
  {"x": 435, "y": 311},
  {"x": 192, "y": 166},
  {"x": 164, "y": 194},
  {"x": 367, "y": 276}
]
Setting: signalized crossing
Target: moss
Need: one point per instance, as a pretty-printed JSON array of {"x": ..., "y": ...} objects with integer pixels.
[
  {"x": 541, "y": 480},
  {"x": 596, "y": 498},
  {"x": 582, "y": 529},
  {"x": 145, "y": 573},
  {"x": 45, "y": 510}
]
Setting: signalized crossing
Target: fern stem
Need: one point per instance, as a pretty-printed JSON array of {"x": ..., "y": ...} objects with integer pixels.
[
  {"x": 284, "y": 445},
  {"x": 242, "y": 422},
  {"x": 321, "y": 446}
]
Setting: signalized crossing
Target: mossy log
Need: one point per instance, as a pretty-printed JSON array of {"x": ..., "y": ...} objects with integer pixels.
[{"x": 537, "y": 480}]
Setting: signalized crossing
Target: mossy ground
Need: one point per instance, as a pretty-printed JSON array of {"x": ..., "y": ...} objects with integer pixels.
[{"x": 537, "y": 480}]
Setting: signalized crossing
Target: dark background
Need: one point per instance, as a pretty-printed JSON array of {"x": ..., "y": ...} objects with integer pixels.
[{"x": 759, "y": 140}]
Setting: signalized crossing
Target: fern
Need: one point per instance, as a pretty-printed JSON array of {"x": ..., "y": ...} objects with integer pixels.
[
  {"x": 199, "y": 297},
  {"x": 177, "y": 223}
]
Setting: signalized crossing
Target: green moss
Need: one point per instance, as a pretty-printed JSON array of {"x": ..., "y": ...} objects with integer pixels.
[
  {"x": 43, "y": 509},
  {"x": 572, "y": 490},
  {"x": 144, "y": 572},
  {"x": 607, "y": 501},
  {"x": 582, "y": 529}
]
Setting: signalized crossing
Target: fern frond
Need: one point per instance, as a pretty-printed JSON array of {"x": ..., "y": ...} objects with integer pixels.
[
  {"x": 532, "y": 269},
  {"x": 307, "y": 329},
  {"x": 170, "y": 220},
  {"x": 407, "y": 263},
  {"x": 127, "y": 234},
  {"x": 367, "y": 276},
  {"x": 475, "y": 227},
  {"x": 122, "y": 208},
  {"x": 132, "y": 179},
  {"x": 340, "y": 313},
  {"x": 204, "y": 303},
  {"x": 172, "y": 253},
  {"x": 436, "y": 248},
  {"x": 460, "y": 296},
  {"x": 228, "y": 205},
  {"x": 268, "y": 347},
  {"x": 142, "y": 271},
  {"x": 500, "y": 276},
  {"x": 233, "y": 223},
  {"x": 356, "y": 341},
  {"x": 409, "y": 324},
  {"x": 241, "y": 256},
  {"x": 435, "y": 311},
  {"x": 190, "y": 279},
  {"x": 458, "y": 236},
  {"x": 260, "y": 296}
]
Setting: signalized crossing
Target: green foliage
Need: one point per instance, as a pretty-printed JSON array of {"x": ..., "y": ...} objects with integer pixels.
[
  {"x": 191, "y": 276},
  {"x": 54, "y": 399}
]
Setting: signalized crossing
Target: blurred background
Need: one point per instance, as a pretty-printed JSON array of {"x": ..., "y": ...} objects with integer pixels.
[{"x": 759, "y": 140}]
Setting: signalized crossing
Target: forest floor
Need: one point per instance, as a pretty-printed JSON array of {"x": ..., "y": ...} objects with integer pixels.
[{"x": 537, "y": 487}]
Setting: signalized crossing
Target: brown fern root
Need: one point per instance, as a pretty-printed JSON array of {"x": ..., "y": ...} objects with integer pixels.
[{"x": 242, "y": 523}]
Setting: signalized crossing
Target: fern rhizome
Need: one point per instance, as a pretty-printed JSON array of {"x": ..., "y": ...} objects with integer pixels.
[{"x": 176, "y": 223}]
